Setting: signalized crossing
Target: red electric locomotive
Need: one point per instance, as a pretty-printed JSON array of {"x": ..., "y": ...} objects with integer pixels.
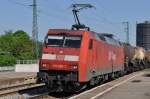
[{"x": 72, "y": 58}]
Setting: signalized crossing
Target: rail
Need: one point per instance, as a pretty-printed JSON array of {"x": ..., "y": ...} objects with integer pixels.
[{"x": 13, "y": 92}]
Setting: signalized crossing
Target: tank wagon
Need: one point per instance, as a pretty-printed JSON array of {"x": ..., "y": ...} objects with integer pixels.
[
  {"x": 147, "y": 57},
  {"x": 134, "y": 58}
]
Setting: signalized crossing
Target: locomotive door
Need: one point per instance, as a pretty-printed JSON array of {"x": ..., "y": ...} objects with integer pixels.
[
  {"x": 92, "y": 49},
  {"x": 112, "y": 58}
]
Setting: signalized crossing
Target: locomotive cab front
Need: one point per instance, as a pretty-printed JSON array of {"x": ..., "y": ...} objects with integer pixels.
[{"x": 60, "y": 58}]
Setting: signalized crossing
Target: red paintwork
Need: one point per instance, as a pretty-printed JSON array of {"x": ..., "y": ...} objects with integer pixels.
[
  {"x": 61, "y": 64},
  {"x": 56, "y": 50},
  {"x": 69, "y": 32},
  {"x": 90, "y": 59},
  {"x": 58, "y": 65},
  {"x": 83, "y": 57}
]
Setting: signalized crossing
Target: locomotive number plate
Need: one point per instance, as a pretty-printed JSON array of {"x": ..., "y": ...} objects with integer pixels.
[{"x": 60, "y": 57}]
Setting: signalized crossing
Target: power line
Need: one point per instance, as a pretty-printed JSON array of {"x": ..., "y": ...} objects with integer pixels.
[
  {"x": 55, "y": 13},
  {"x": 74, "y": 1},
  {"x": 35, "y": 49},
  {"x": 28, "y": 6},
  {"x": 97, "y": 17},
  {"x": 18, "y": 3},
  {"x": 105, "y": 12}
]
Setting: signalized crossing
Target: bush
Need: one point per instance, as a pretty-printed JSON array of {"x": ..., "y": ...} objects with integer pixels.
[
  {"x": 17, "y": 45},
  {"x": 7, "y": 60},
  {"x": 25, "y": 56}
]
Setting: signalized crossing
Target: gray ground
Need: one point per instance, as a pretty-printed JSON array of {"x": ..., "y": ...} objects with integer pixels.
[
  {"x": 136, "y": 88},
  {"x": 8, "y": 79},
  {"x": 13, "y": 75}
]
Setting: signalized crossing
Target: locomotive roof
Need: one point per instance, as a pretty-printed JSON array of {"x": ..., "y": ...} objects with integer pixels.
[
  {"x": 76, "y": 32},
  {"x": 73, "y": 32},
  {"x": 108, "y": 38}
]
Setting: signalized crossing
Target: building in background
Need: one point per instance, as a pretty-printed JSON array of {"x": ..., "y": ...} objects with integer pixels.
[{"x": 143, "y": 35}]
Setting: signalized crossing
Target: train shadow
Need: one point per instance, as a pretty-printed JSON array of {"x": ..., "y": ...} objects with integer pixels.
[
  {"x": 62, "y": 95},
  {"x": 147, "y": 75}
]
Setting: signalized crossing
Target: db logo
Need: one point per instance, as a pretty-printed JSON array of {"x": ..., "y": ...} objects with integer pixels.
[
  {"x": 111, "y": 55},
  {"x": 60, "y": 52}
]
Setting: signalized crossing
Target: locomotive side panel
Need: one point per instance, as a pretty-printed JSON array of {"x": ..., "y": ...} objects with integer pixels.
[
  {"x": 103, "y": 65},
  {"x": 118, "y": 58},
  {"x": 106, "y": 58},
  {"x": 96, "y": 60},
  {"x": 83, "y": 64}
]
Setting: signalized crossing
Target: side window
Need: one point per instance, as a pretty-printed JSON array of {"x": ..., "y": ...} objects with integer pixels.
[
  {"x": 102, "y": 38},
  {"x": 91, "y": 44}
]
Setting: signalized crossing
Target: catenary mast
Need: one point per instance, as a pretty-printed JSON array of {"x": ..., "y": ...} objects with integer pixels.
[{"x": 35, "y": 32}]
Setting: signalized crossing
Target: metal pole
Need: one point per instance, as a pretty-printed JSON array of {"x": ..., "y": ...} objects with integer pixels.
[
  {"x": 126, "y": 29},
  {"x": 35, "y": 32}
]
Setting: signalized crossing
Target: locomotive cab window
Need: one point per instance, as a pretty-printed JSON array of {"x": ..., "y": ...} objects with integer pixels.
[
  {"x": 91, "y": 44},
  {"x": 63, "y": 41},
  {"x": 72, "y": 41},
  {"x": 102, "y": 38},
  {"x": 54, "y": 40}
]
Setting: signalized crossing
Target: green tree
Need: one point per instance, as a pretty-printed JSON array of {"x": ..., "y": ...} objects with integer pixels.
[
  {"x": 18, "y": 45},
  {"x": 7, "y": 42},
  {"x": 23, "y": 44},
  {"x": 7, "y": 60}
]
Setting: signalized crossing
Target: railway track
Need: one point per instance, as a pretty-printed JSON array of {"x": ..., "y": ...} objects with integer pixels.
[
  {"x": 40, "y": 91},
  {"x": 37, "y": 91},
  {"x": 34, "y": 91},
  {"x": 15, "y": 91}
]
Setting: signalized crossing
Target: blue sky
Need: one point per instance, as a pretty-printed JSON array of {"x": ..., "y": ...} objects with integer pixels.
[{"x": 107, "y": 17}]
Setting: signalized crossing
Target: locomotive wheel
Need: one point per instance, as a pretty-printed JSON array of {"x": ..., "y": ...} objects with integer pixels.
[{"x": 92, "y": 82}]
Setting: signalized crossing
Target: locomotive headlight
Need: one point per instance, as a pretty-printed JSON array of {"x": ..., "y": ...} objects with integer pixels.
[
  {"x": 74, "y": 67},
  {"x": 44, "y": 65}
]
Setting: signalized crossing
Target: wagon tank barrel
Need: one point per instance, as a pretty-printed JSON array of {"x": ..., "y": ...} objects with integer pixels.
[{"x": 133, "y": 53}]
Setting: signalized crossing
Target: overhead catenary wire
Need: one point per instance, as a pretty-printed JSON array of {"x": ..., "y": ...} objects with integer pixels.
[
  {"x": 39, "y": 11},
  {"x": 47, "y": 14},
  {"x": 56, "y": 13},
  {"x": 18, "y": 3},
  {"x": 99, "y": 19}
]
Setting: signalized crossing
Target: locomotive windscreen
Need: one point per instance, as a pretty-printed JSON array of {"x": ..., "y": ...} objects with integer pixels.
[{"x": 63, "y": 41}]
